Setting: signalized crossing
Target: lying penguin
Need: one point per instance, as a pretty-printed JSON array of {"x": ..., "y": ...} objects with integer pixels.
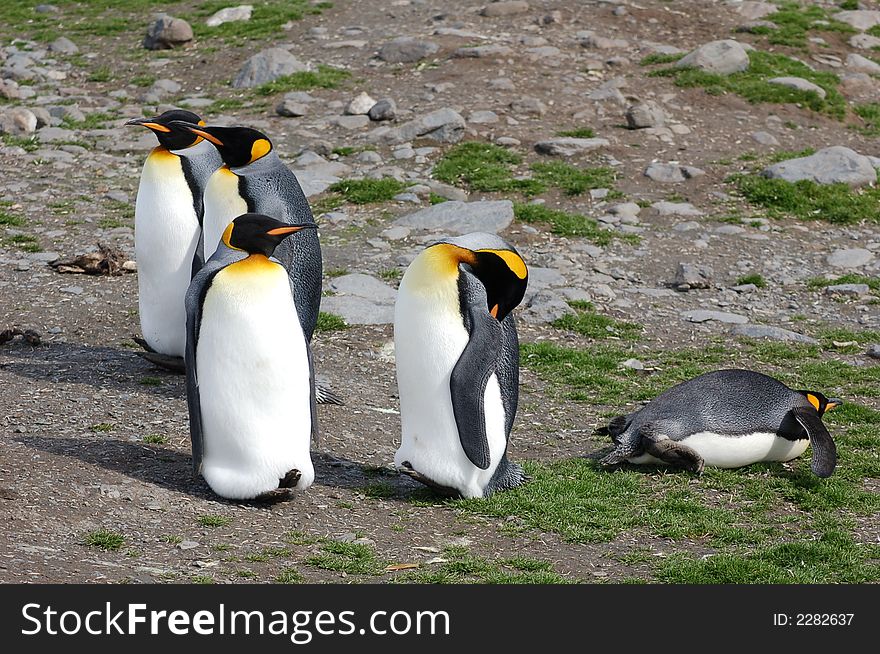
[{"x": 725, "y": 419}]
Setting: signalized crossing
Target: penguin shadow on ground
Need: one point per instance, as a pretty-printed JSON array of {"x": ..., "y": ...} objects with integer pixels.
[{"x": 101, "y": 367}]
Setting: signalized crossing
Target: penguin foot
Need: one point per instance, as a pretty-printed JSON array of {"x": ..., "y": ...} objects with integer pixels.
[
  {"x": 290, "y": 479},
  {"x": 616, "y": 457},
  {"x": 164, "y": 361},
  {"x": 142, "y": 343},
  {"x": 274, "y": 496},
  {"x": 407, "y": 469},
  {"x": 676, "y": 454}
]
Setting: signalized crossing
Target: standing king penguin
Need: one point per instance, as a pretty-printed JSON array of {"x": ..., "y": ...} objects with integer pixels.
[
  {"x": 457, "y": 356},
  {"x": 254, "y": 179},
  {"x": 168, "y": 228},
  {"x": 725, "y": 419},
  {"x": 250, "y": 381}
]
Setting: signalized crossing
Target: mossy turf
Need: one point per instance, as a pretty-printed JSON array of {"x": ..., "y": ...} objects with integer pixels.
[
  {"x": 794, "y": 21},
  {"x": 325, "y": 77},
  {"x": 565, "y": 223},
  {"x": 330, "y": 322},
  {"x": 367, "y": 191},
  {"x": 459, "y": 566},
  {"x": 586, "y": 321}
]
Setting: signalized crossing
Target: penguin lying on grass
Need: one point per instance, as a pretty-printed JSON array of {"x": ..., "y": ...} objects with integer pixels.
[
  {"x": 457, "y": 358},
  {"x": 725, "y": 419},
  {"x": 168, "y": 229},
  {"x": 250, "y": 381}
]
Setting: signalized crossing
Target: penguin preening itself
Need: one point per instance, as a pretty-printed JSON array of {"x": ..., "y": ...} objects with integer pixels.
[
  {"x": 250, "y": 381},
  {"x": 726, "y": 419},
  {"x": 254, "y": 179},
  {"x": 167, "y": 229},
  {"x": 457, "y": 357}
]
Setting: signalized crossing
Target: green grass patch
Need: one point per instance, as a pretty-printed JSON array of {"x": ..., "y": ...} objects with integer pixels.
[
  {"x": 266, "y": 22},
  {"x": 143, "y": 81},
  {"x": 433, "y": 198},
  {"x": 26, "y": 143},
  {"x": 753, "y": 278},
  {"x": 10, "y": 219},
  {"x": 101, "y": 74},
  {"x": 573, "y": 180},
  {"x": 96, "y": 120},
  {"x": 368, "y": 191},
  {"x": 659, "y": 58},
  {"x": 155, "y": 439},
  {"x": 224, "y": 104},
  {"x": 326, "y": 77},
  {"x": 330, "y": 322},
  {"x": 752, "y": 84},
  {"x": 564, "y": 223},
  {"x": 379, "y": 490},
  {"x": 102, "y": 427},
  {"x": 213, "y": 520},
  {"x": 463, "y": 567},
  {"x": 23, "y": 242},
  {"x": 289, "y": 576},
  {"x": 109, "y": 541},
  {"x": 351, "y": 558},
  {"x": 870, "y": 114},
  {"x": 483, "y": 167},
  {"x": 587, "y": 322},
  {"x": 150, "y": 381},
  {"x": 579, "y": 133},
  {"x": 816, "y": 283},
  {"x": 807, "y": 200},
  {"x": 794, "y": 21},
  {"x": 391, "y": 274}
]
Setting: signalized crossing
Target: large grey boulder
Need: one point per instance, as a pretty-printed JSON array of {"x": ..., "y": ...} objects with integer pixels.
[
  {"x": 771, "y": 333},
  {"x": 569, "y": 146},
  {"x": 167, "y": 32},
  {"x": 461, "y": 217},
  {"x": 799, "y": 84},
  {"x": 850, "y": 258},
  {"x": 18, "y": 121},
  {"x": 407, "y": 50},
  {"x": 861, "y": 19},
  {"x": 266, "y": 66},
  {"x": 443, "y": 125},
  {"x": 723, "y": 57},
  {"x": 837, "y": 164},
  {"x": 229, "y": 15}
]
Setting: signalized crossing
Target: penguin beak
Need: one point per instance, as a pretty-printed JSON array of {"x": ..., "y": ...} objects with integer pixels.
[
  {"x": 833, "y": 402},
  {"x": 145, "y": 122},
  {"x": 290, "y": 229},
  {"x": 200, "y": 132}
]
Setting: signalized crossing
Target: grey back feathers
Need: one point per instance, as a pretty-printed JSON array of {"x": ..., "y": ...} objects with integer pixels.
[{"x": 477, "y": 241}]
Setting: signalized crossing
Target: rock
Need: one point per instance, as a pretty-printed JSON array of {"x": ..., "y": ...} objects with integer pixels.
[
  {"x": 461, "y": 217},
  {"x": 72, "y": 290},
  {"x": 364, "y": 286},
  {"x": 266, "y": 66},
  {"x": 167, "y": 33},
  {"x": 356, "y": 310},
  {"x": 755, "y": 10},
  {"x": 850, "y": 258},
  {"x": 645, "y": 114},
  {"x": 764, "y": 138},
  {"x": 546, "y": 306},
  {"x": 290, "y": 108},
  {"x": 44, "y": 118},
  {"x": 447, "y": 191},
  {"x": 664, "y": 208},
  {"x": 671, "y": 173},
  {"x": 633, "y": 364},
  {"x": 187, "y": 545},
  {"x": 873, "y": 351},
  {"x": 528, "y": 106},
  {"x": 405, "y": 50},
  {"x": 852, "y": 290},
  {"x": 703, "y": 315},
  {"x": 861, "y": 19},
  {"x": 771, "y": 333},
  {"x": 858, "y": 86},
  {"x": 483, "y": 118},
  {"x": 384, "y": 109},
  {"x": 504, "y": 8},
  {"x": 722, "y": 57},
  {"x": 862, "y": 64},
  {"x": 360, "y": 105},
  {"x": 827, "y": 166},
  {"x": 230, "y": 14},
  {"x": 482, "y": 52},
  {"x": 443, "y": 125},
  {"x": 864, "y": 41},
  {"x": 9, "y": 89},
  {"x": 689, "y": 276},
  {"x": 745, "y": 288},
  {"x": 729, "y": 230},
  {"x": 799, "y": 84},
  {"x": 589, "y": 39},
  {"x": 18, "y": 121},
  {"x": 569, "y": 146},
  {"x": 315, "y": 173},
  {"x": 63, "y": 45}
]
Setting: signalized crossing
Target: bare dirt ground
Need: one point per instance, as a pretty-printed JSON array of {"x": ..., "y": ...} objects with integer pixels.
[{"x": 74, "y": 410}]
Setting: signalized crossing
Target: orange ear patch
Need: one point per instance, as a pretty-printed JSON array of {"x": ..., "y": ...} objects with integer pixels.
[
  {"x": 814, "y": 401},
  {"x": 494, "y": 311},
  {"x": 260, "y": 148}
]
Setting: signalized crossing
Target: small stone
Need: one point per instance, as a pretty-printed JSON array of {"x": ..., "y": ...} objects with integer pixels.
[
  {"x": 861, "y": 19},
  {"x": 676, "y": 209},
  {"x": 461, "y": 217},
  {"x": 291, "y": 109},
  {"x": 853, "y": 290},
  {"x": 230, "y": 14},
  {"x": 72, "y": 290},
  {"x": 18, "y": 121},
  {"x": 569, "y": 146},
  {"x": 406, "y": 50},
  {"x": 873, "y": 351},
  {"x": 501, "y": 84},
  {"x": 721, "y": 57},
  {"x": 443, "y": 125},
  {"x": 862, "y": 64},
  {"x": 168, "y": 32},
  {"x": 831, "y": 165},
  {"x": 703, "y": 315},
  {"x": 671, "y": 173},
  {"x": 187, "y": 545},
  {"x": 864, "y": 41},
  {"x": 483, "y": 118},
  {"x": 764, "y": 138},
  {"x": 689, "y": 276},
  {"x": 771, "y": 333},
  {"x": 633, "y": 364},
  {"x": 384, "y": 109},
  {"x": 268, "y": 65},
  {"x": 800, "y": 84},
  {"x": 589, "y": 39},
  {"x": 645, "y": 114},
  {"x": 360, "y": 105},
  {"x": 745, "y": 288},
  {"x": 850, "y": 258},
  {"x": 483, "y": 52},
  {"x": 63, "y": 45},
  {"x": 504, "y": 8},
  {"x": 528, "y": 106}
]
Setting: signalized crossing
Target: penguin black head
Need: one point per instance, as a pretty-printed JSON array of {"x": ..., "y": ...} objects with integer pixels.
[
  {"x": 256, "y": 233},
  {"x": 495, "y": 263},
  {"x": 238, "y": 146},
  {"x": 820, "y": 402},
  {"x": 169, "y": 128}
]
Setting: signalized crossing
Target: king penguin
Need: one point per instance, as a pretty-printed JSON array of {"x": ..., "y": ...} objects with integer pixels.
[
  {"x": 168, "y": 227},
  {"x": 726, "y": 419},
  {"x": 457, "y": 355},
  {"x": 254, "y": 179},
  {"x": 249, "y": 376}
]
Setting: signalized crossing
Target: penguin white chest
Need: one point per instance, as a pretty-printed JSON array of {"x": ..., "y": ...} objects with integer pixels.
[
  {"x": 724, "y": 451},
  {"x": 429, "y": 337},
  {"x": 254, "y": 383},
  {"x": 166, "y": 235},
  {"x": 222, "y": 204}
]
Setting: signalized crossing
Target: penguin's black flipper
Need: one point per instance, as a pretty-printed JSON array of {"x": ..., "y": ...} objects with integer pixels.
[
  {"x": 165, "y": 361},
  {"x": 476, "y": 364},
  {"x": 313, "y": 403},
  {"x": 824, "y": 449}
]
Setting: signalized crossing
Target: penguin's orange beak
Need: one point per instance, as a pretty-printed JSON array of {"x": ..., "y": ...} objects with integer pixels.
[
  {"x": 290, "y": 229},
  {"x": 144, "y": 122},
  {"x": 205, "y": 135}
]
